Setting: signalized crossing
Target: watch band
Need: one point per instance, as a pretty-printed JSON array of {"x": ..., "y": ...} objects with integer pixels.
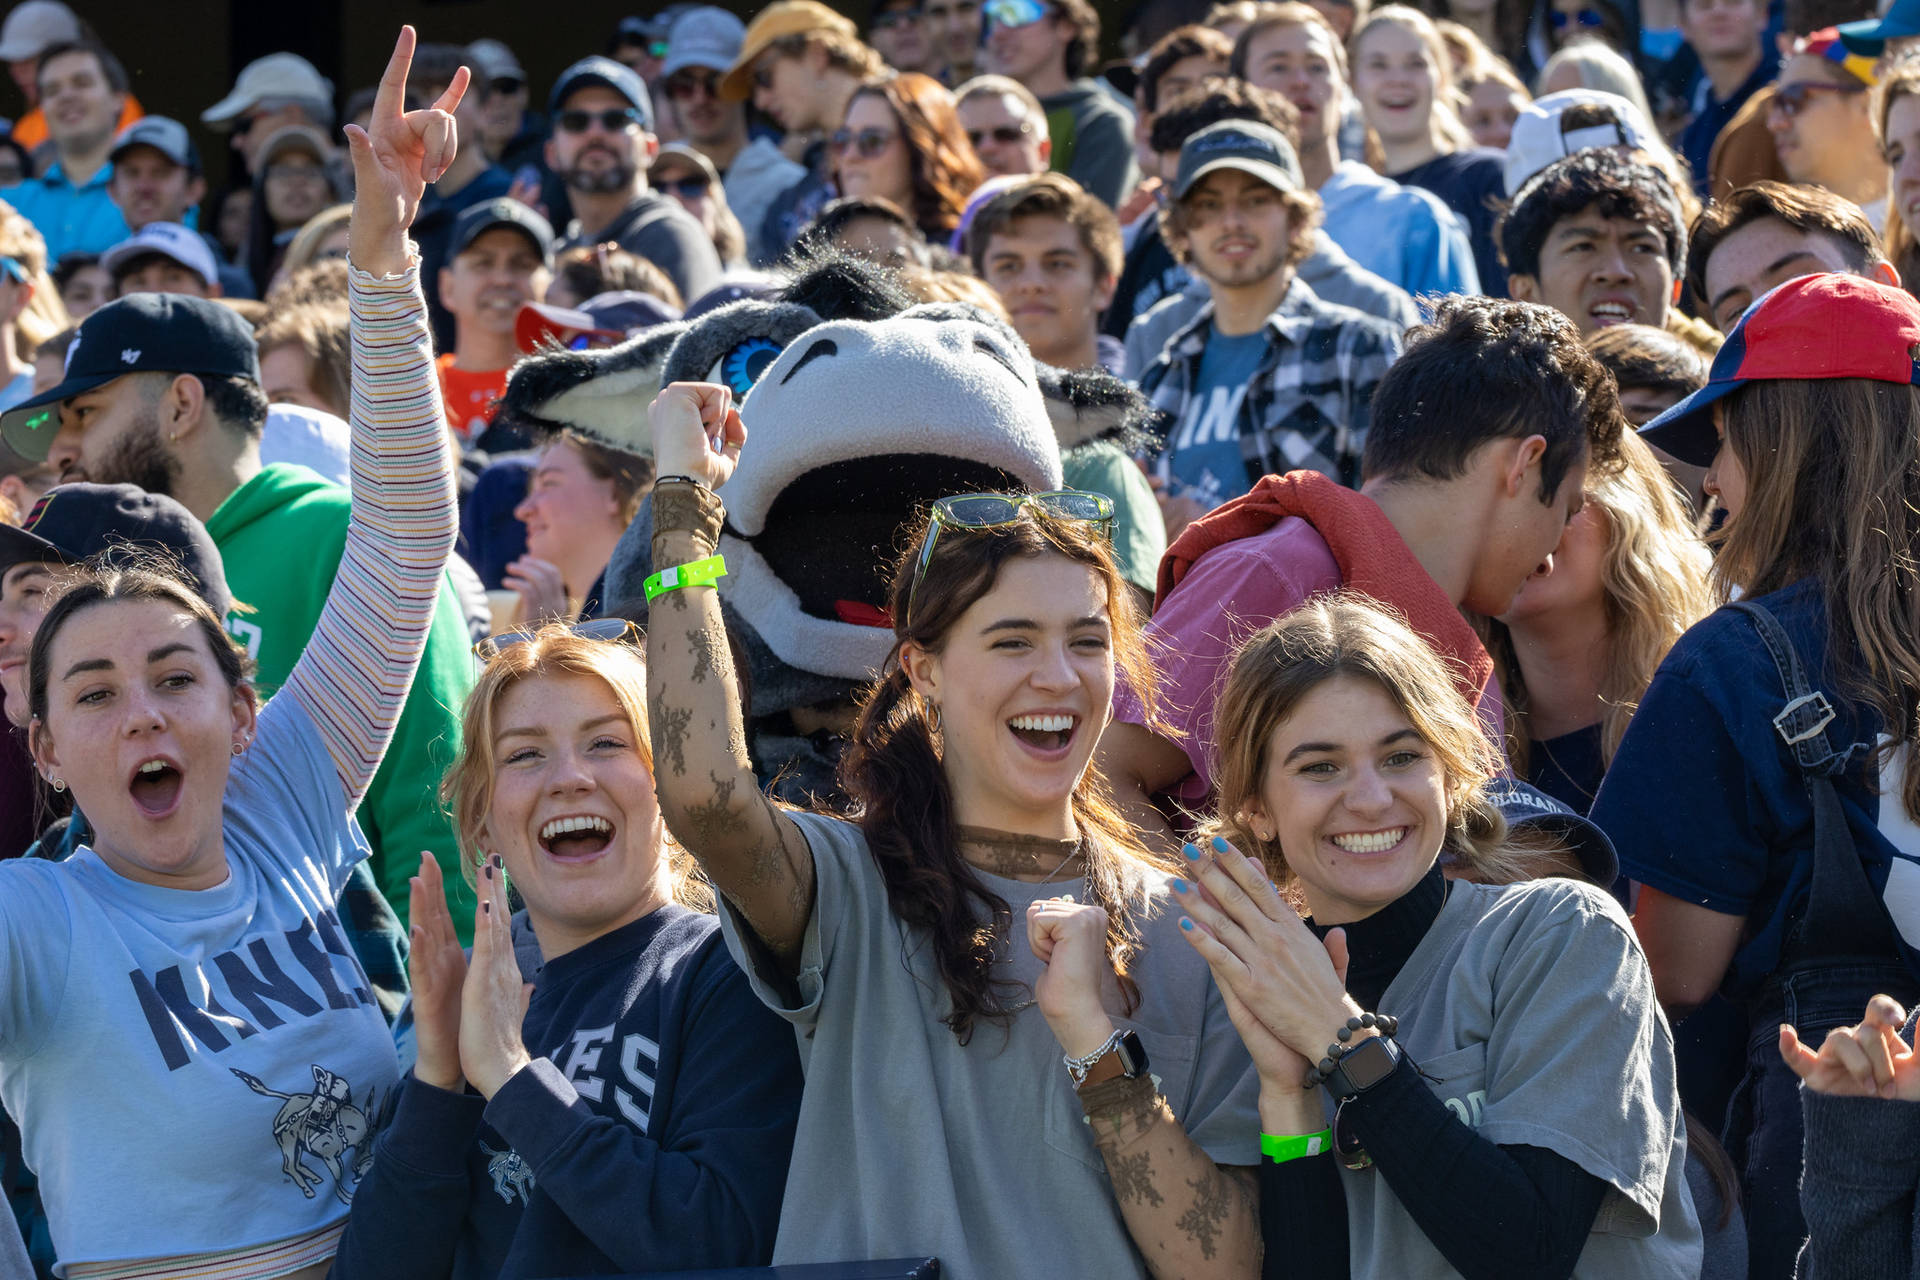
[{"x": 1121, "y": 1055}]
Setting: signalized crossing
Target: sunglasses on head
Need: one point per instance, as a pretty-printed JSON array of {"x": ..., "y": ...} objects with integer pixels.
[
  {"x": 1004, "y": 134},
  {"x": 968, "y": 511},
  {"x": 1586, "y": 18},
  {"x": 1012, "y": 13},
  {"x": 868, "y": 143},
  {"x": 610, "y": 630},
  {"x": 1791, "y": 99},
  {"x": 615, "y": 120}
]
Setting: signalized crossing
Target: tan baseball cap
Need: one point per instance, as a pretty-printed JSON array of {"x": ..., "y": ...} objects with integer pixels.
[{"x": 782, "y": 18}]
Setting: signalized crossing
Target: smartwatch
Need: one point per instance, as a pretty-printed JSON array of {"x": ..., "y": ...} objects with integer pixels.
[
  {"x": 1362, "y": 1067},
  {"x": 1123, "y": 1057}
]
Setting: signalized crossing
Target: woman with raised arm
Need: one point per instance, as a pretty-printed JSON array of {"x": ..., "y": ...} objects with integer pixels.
[
  {"x": 636, "y": 1112},
  {"x": 1011, "y": 1063},
  {"x": 178, "y": 996}
]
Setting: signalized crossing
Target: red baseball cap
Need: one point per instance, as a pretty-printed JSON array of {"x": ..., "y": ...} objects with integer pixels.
[{"x": 1819, "y": 326}]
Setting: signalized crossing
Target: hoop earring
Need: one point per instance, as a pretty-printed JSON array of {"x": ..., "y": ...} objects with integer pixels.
[
  {"x": 56, "y": 784},
  {"x": 238, "y": 747},
  {"x": 939, "y": 723}
]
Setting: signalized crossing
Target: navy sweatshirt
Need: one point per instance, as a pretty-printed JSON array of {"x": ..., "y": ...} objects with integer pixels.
[{"x": 651, "y": 1132}]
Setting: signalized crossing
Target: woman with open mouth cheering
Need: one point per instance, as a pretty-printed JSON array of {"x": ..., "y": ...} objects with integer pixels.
[
  {"x": 1011, "y": 1064},
  {"x": 636, "y": 1113},
  {"x": 179, "y": 994}
]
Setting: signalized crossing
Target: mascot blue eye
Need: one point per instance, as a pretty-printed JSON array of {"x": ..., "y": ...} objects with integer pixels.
[{"x": 741, "y": 367}]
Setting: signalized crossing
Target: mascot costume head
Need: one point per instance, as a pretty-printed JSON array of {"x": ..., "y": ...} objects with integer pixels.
[{"x": 861, "y": 409}]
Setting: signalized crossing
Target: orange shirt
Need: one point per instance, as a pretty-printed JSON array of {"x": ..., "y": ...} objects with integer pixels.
[
  {"x": 30, "y": 130},
  {"x": 469, "y": 396}
]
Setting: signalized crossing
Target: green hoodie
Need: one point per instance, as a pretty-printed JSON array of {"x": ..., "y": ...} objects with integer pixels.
[{"x": 281, "y": 535}]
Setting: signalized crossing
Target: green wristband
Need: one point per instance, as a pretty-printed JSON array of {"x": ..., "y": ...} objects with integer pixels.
[
  {"x": 701, "y": 573},
  {"x": 1282, "y": 1149}
]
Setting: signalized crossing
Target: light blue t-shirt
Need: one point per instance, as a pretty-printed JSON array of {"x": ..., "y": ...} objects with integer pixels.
[
  {"x": 1406, "y": 235},
  {"x": 197, "y": 1070},
  {"x": 70, "y": 219},
  {"x": 1203, "y": 450},
  {"x": 18, "y": 388}
]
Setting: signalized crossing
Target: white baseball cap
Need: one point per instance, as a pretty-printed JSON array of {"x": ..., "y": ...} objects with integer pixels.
[
  {"x": 1539, "y": 138},
  {"x": 34, "y": 27},
  {"x": 169, "y": 240},
  {"x": 278, "y": 77}
]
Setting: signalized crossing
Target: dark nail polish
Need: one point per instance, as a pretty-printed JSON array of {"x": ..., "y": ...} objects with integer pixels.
[
  {"x": 487, "y": 871},
  {"x": 486, "y": 908}
]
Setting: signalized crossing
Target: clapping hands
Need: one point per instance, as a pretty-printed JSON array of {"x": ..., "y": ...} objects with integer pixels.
[{"x": 467, "y": 1014}]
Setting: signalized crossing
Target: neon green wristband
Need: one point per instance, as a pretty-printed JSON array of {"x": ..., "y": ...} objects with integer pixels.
[
  {"x": 1282, "y": 1149},
  {"x": 701, "y": 573}
]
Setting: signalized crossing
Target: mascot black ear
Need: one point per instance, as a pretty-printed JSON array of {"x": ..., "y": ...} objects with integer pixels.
[
  {"x": 839, "y": 286},
  {"x": 603, "y": 395},
  {"x": 1089, "y": 404}
]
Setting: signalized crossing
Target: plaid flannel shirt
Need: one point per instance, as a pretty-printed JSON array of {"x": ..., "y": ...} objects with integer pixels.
[{"x": 1310, "y": 400}]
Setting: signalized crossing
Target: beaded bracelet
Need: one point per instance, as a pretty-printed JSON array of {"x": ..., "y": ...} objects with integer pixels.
[{"x": 1384, "y": 1023}]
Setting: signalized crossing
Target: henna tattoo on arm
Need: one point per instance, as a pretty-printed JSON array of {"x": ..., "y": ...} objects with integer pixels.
[
  {"x": 708, "y": 821},
  {"x": 670, "y": 738},
  {"x": 1133, "y": 1179},
  {"x": 1212, "y": 1202},
  {"x": 709, "y": 654}
]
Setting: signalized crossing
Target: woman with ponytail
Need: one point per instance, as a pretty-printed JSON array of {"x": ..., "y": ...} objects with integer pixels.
[
  {"x": 981, "y": 965},
  {"x": 1489, "y": 1082}
]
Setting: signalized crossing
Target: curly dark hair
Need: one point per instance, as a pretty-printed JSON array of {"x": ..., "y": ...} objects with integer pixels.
[
  {"x": 1521, "y": 368},
  {"x": 1620, "y": 187},
  {"x": 944, "y": 168},
  {"x": 893, "y": 768}
]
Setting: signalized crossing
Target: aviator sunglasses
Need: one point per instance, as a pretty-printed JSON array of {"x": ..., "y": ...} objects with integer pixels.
[
  {"x": 1792, "y": 99},
  {"x": 993, "y": 510}
]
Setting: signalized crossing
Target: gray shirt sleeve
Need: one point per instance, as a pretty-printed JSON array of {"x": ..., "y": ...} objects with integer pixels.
[
  {"x": 678, "y": 247},
  {"x": 1103, "y": 156}
]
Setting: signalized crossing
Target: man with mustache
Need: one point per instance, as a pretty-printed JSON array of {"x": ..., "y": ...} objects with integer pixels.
[
  {"x": 602, "y": 145},
  {"x": 501, "y": 259}
]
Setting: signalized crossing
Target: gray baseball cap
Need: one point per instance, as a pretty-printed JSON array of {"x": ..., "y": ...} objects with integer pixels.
[
  {"x": 1246, "y": 145},
  {"x": 703, "y": 37}
]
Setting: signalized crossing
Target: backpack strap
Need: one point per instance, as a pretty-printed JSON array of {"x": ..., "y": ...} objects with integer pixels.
[{"x": 1844, "y": 916}]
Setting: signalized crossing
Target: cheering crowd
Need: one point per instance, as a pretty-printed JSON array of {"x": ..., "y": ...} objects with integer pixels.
[{"x": 1291, "y": 654}]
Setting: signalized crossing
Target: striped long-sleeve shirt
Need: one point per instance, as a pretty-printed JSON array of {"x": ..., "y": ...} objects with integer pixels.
[{"x": 355, "y": 672}]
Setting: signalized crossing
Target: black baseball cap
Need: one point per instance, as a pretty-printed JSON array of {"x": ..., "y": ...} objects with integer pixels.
[
  {"x": 1527, "y": 806},
  {"x": 74, "y": 522},
  {"x": 1247, "y": 145},
  {"x": 488, "y": 214},
  {"x": 140, "y": 333},
  {"x": 608, "y": 74}
]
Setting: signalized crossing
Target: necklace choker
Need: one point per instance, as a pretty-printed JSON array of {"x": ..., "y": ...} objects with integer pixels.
[{"x": 1013, "y": 855}]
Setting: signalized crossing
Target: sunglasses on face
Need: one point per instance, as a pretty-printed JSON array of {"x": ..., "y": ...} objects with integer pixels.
[
  {"x": 894, "y": 18},
  {"x": 12, "y": 269},
  {"x": 1586, "y": 18},
  {"x": 691, "y": 187},
  {"x": 964, "y": 9},
  {"x": 689, "y": 84},
  {"x": 1792, "y": 99},
  {"x": 1004, "y": 134},
  {"x": 617, "y": 120},
  {"x": 867, "y": 143},
  {"x": 1012, "y": 13},
  {"x": 968, "y": 511},
  {"x": 610, "y": 630}
]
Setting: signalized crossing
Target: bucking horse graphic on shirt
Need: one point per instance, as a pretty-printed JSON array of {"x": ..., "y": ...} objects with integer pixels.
[{"x": 323, "y": 1122}]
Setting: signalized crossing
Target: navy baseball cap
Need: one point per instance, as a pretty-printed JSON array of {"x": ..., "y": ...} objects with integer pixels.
[
  {"x": 74, "y": 522},
  {"x": 608, "y": 74},
  {"x": 1247, "y": 145},
  {"x": 481, "y": 218},
  {"x": 1524, "y": 806},
  {"x": 1818, "y": 326},
  {"x": 140, "y": 333}
]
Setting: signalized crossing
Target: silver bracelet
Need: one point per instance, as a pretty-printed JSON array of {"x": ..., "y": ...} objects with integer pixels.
[{"x": 1078, "y": 1067}]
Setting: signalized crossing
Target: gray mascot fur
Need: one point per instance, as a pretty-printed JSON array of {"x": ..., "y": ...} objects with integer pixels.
[{"x": 861, "y": 409}]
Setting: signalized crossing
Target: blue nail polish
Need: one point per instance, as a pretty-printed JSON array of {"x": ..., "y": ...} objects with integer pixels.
[
  {"x": 1186, "y": 924},
  {"x": 1179, "y": 885},
  {"x": 1193, "y": 854},
  {"x": 1219, "y": 844}
]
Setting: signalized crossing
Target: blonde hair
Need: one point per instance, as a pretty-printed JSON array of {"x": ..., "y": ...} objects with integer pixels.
[
  {"x": 1655, "y": 583},
  {"x": 1901, "y": 79},
  {"x": 954, "y": 286},
  {"x": 1352, "y": 636},
  {"x": 554, "y": 650},
  {"x": 44, "y": 315},
  {"x": 305, "y": 245},
  {"x": 1447, "y": 127}
]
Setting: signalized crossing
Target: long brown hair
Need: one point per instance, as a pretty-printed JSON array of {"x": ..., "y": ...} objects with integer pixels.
[
  {"x": 1350, "y": 635},
  {"x": 552, "y": 651},
  {"x": 894, "y": 770},
  {"x": 1654, "y": 584},
  {"x": 1833, "y": 494},
  {"x": 944, "y": 168}
]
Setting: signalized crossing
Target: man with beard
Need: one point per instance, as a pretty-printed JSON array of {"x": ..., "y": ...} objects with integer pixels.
[
  {"x": 163, "y": 391},
  {"x": 1266, "y": 377},
  {"x": 601, "y": 146},
  {"x": 502, "y": 259}
]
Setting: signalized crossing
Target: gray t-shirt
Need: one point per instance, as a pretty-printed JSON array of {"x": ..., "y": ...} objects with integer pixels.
[
  {"x": 912, "y": 1144},
  {"x": 1531, "y": 1010}
]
